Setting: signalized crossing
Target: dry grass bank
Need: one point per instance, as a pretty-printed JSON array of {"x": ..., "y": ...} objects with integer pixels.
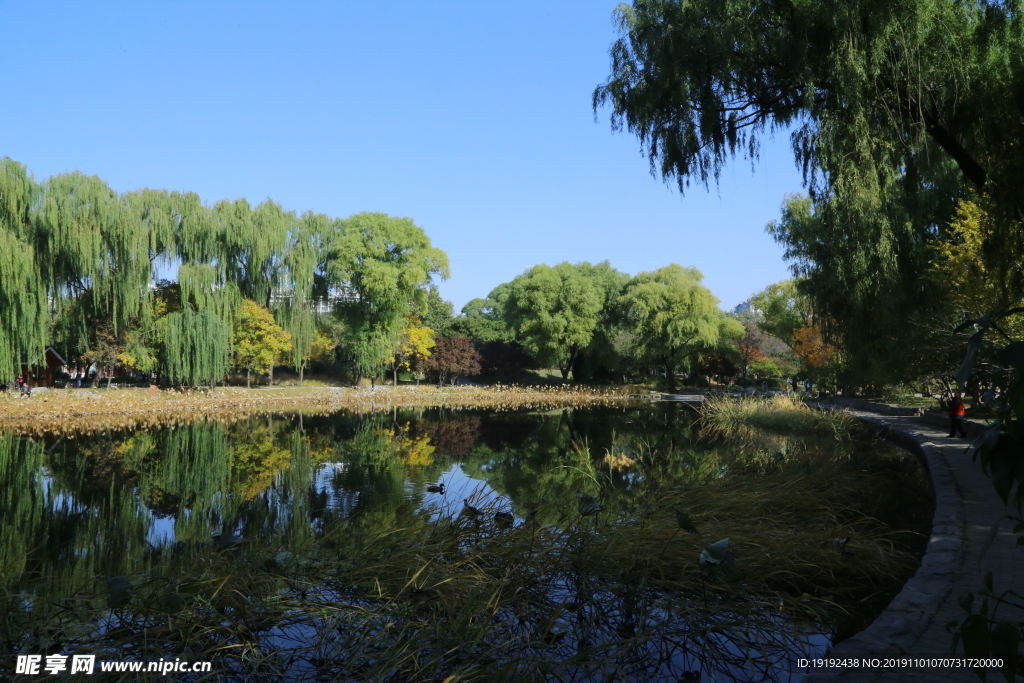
[{"x": 62, "y": 411}]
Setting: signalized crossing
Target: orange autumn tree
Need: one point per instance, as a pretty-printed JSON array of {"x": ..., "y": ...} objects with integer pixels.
[
  {"x": 811, "y": 346},
  {"x": 819, "y": 356}
]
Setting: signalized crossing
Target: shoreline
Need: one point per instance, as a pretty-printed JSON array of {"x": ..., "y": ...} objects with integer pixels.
[{"x": 68, "y": 411}]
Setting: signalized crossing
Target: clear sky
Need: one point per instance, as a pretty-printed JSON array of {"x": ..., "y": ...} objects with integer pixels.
[{"x": 472, "y": 118}]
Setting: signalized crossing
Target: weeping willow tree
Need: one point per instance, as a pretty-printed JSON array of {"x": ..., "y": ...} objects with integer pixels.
[
  {"x": 303, "y": 285},
  {"x": 254, "y": 241},
  {"x": 195, "y": 347},
  {"x": 23, "y": 312},
  {"x": 97, "y": 252},
  {"x": 77, "y": 265}
]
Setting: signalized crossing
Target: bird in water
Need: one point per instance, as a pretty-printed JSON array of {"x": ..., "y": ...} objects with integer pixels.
[
  {"x": 436, "y": 488},
  {"x": 470, "y": 510}
]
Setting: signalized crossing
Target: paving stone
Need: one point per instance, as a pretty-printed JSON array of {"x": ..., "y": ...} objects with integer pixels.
[{"x": 915, "y": 621}]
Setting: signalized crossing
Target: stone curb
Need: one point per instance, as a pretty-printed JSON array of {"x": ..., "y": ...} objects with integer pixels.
[
  {"x": 911, "y": 611},
  {"x": 875, "y": 406}
]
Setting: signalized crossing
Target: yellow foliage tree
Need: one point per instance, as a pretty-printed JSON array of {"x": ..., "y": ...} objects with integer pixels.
[
  {"x": 959, "y": 262},
  {"x": 258, "y": 340},
  {"x": 411, "y": 348}
]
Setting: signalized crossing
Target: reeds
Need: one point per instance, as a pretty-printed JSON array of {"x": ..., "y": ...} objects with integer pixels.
[{"x": 778, "y": 414}]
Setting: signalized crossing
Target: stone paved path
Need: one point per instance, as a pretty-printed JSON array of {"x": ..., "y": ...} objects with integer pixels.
[{"x": 974, "y": 507}]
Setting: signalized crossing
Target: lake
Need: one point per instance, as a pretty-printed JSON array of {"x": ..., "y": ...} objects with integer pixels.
[{"x": 413, "y": 545}]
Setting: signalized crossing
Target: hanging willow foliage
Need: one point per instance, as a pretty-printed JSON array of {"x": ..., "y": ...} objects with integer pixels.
[
  {"x": 23, "y": 315},
  {"x": 302, "y": 283},
  {"x": 195, "y": 347},
  {"x": 94, "y": 243},
  {"x": 77, "y": 259}
]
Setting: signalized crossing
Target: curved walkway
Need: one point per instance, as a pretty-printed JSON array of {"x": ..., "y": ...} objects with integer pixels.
[{"x": 966, "y": 505}]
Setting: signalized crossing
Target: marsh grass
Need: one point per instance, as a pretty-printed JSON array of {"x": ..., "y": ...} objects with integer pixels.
[{"x": 779, "y": 414}]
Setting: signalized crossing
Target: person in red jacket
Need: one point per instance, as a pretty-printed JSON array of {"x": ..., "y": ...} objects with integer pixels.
[{"x": 956, "y": 416}]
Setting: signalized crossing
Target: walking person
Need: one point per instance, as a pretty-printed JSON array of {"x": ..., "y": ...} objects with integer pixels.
[{"x": 956, "y": 416}]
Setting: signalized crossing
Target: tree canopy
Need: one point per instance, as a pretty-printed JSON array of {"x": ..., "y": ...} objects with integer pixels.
[
  {"x": 899, "y": 111},
  {"x": 77, "y": 266},
  {"x": 383, "y": 264},
  {"x": 703, "y": 80},
  {"x": 672, "y": 314},
  {"x": 554, "y": 311}
]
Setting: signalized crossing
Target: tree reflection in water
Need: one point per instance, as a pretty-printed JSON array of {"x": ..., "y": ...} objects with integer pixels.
[{"x": 302, "y": 547}]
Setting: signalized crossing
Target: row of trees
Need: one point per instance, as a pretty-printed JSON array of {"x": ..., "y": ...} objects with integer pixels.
[
  {"x": 593, "y": 321},
  {"x": 260, "y": 286},
  {"x": 77, "y": 261}
]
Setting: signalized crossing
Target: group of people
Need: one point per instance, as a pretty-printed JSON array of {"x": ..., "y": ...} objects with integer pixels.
[
  {"x": 22, "y": 384},
  {"x": 807, "y": 384}
]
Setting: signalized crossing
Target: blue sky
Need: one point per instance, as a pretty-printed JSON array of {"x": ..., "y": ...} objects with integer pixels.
[{"x": 472, "y": 118}]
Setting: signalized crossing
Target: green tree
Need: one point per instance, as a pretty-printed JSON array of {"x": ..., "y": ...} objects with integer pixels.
[
  {"x": 482, "y": 319},
  {"x": 865, "y": 279},
  {"x": 701, "y": 81},
  {"x": 782, "y": 309},
  {"x": 195, "y": 347},
  {"x": 381, "y": 265},
  {"x": 23, "y": 305},
  {"x": 257, "y": 339},
  {"x": 672, "y": 315},
  {"x": 600, "y": 358},
  {"x": 898, "y": 110},
  {"x": 439, "y": 313},
  {"x": 554, "y": 311}
]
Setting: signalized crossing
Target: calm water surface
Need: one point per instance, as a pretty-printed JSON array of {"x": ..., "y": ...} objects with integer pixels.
[{"x": 158, "y": 507}]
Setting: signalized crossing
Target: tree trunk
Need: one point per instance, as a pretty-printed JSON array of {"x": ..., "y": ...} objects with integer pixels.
[
  {"x": 270, "y": 376},
  {"x": 395, "y": 371},
  {"x": 248, "y": 384},
  {"x": 670, "y": 375},
  {"x": 110, "y": 376},
  {"x": 302, "y": 371}
]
